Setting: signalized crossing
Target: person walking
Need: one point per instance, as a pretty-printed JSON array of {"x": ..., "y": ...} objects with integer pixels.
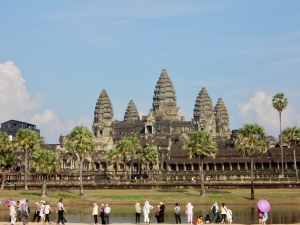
[
  {"x": 157, "y": 215},
  {"x": 106, "y": 214},
  {"x": 42, "y": 214},
  {"x": 95, "y": 213},
  {"x": 47, "y": 211},
  {"x": 146, "y": 209},
  {"x": 162, "y": 212},
  {"x": 265, "y": 217},
  {"x": 137, "y": 212},
  {"x": 177, "y": 213},
  {"x": 60, "y": 210},
  {"x": 12, "y": 213},
  {"x": 102, "y": 213},
  {"x": 189, "y": 213},
  {"x": 19, "y": 215},
  {"x": 223, "y": 213},
  {"x": 214, "y": 209},
  {"x": 26, "y": 212},
  {"x": 229, "y": 216},
  {"x": 37, "y": 212}
]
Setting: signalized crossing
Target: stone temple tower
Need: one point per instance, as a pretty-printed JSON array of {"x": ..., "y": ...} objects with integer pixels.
[
  {"x": 131, "y": 113},
  {"x": 204, "y": 118},
  {"x": 103, "y": 116},
  {"x": 222, "y": 120},
  {"x": 164, "y": 99}
]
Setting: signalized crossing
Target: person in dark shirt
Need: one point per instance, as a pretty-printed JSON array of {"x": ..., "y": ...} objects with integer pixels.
[{"x": 162, "y": 212}]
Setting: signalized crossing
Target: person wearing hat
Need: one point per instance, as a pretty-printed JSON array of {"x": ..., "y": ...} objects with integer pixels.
[
  {"x": 42, "y": 207},
  {"x": 102, "y": 213},
  {"x": 106, "y": 214},
  {"x": 189, "y": 213},
  {"x": 60, "y": 211},
  {"x": 26, "y": 211},
  {"x": 12, "y": 213},
  {"x": 37, "y": 212},
  {"x": 95, "y": 213},
  {"x": 146, "y": 209},
  {"x": 162, "y": 213},
  {"x": 47, "y": 211},
  {"x": 137, "y": 212}
]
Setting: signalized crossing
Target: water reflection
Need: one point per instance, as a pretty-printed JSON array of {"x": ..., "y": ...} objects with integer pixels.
[{"x": 286, "y": 214}]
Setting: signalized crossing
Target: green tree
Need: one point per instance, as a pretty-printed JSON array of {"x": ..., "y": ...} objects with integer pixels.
[
  {"x": 6, "y": 154},
  {"x": 280, "y": 103},
  {"x": 44, "y": 161},
  {"x": 201, "y": 145},
  {"x": 27, "y": 140},
  {"x": 113, "y": 157},
  {"x": 127, "y": 149},
  {"x": 251, "y": 139},
  {"x": 291, "y": 136},
  {"x": 80, "y": 141},
  {"x": 149, "y": 155}
]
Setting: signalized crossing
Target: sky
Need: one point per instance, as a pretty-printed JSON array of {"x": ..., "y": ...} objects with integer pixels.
[{"x": 57, "y": 56}]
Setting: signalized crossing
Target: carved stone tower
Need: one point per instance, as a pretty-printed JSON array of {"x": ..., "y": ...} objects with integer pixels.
[
  {"x": 103, "y": 116},
  {"x": 164, "y": 99},
  {"x": 222, "y": 120},
  {"x": 131, "y": 113},
  {"x": 204, "y": 113}
]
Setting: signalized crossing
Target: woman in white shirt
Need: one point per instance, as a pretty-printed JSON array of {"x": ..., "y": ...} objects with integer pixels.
[
  {"x": 223, "y": 212},
  {"x": 189, "y": 213},
  {"x": 147, "y": 207},
  {"x": 12, "y": 213},
  {"x": 47, "y": 211},
  {"x": 95, "y": 213},
  {"x": 42, "y": 215}
]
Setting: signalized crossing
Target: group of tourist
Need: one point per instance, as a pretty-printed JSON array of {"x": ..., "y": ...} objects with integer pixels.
[
  {"x": 104, "y": 213},
  {"x": 21, "y": 212}
]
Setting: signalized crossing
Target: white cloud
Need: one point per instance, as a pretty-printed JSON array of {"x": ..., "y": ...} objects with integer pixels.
[
  {"x": 16, "y": 103},
  {"x": 259, "y": 110}
]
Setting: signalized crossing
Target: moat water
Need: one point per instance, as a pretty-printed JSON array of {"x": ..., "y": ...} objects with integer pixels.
[{"x": 279, "y": 214}]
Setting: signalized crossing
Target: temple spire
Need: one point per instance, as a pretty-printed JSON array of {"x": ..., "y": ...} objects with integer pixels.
[
  {"x": 131, "y": 113},
  {"x": 222, "y": 120}
]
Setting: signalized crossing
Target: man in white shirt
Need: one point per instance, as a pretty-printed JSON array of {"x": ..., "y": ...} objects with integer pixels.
[
  {"x": 60, "y": 211},
  {"x": 106, "y": 214}
]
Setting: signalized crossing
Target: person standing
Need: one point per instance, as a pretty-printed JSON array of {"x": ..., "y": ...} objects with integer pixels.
[
  {"x": 265, "y": 217},
  {"x": 189, "y": 213},
  {"x": 260, "y": 216},
  {"x": 214, "y": 209},
  {"x": 95, "y": 213},
  {"x": 162, "y": 212},
  {"x": 229, "y": 216},
  {"x": 37, "y": 212},
  {"x": 19, "y": 206},
  {"x": 41, "y": 213},
  {"x": 102, "y": 213},
  {"x": 26, "y": 211},
  {"x": 47, "y": 211},
  {"x": 157, "y": 215},
  {"x": 146, "y": 209},
  {"x": 177, "y": 213},
  {"x": 137, "y": 212},
  {"x": 12, "y": 213},
  {"x": 60, "y": 211},
  {"x": 223, "y": 213},
  {"x": 106, "y": 214}
]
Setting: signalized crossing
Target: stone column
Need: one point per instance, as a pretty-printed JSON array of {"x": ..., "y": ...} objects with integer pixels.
[
  {"x": 192, "y": 166},
  {"x": 286, "y": 166},
  {"x": 238, "y": 166},
  {"x": 246, "y": 166},
  {"x": 230, "y": 166},
  {"x": 176, "y": 166},
  {"x": 184, "y": 167},
  {"x": 278, "y": 165},
  {"x": 215, "y": 167},
  {"x": 223, "y": 166},
  {"x": 207, "y": 167}
]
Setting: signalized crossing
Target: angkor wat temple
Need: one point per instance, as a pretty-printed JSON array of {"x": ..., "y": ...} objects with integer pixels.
[{"x": 165, "y": 128}]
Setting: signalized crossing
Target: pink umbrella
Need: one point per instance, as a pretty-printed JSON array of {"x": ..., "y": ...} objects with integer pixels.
[
  {"x": 263, "y": 205},
  {"x": 7, "y": 202},
  {"x": 22, "y": 201}
]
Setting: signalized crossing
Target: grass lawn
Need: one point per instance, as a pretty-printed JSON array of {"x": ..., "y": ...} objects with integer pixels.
[{"x": 168, "y": 196}]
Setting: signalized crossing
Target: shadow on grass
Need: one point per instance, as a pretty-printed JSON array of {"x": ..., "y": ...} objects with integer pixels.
[
  {"x": 227, "y": 194},
  {"x": 31, "y": 193}
]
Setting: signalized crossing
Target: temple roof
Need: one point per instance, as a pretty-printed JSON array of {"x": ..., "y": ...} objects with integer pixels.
[
  {"x": 103, "y": 109},
  {"x": 203, "y": 106},
  {"x": 131, "y": 113},
  {"x": 221, "y": 112}
]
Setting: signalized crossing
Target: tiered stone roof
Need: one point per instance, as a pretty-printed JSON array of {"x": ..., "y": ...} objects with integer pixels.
[
  {"x": 164, "y": 99},
  {"x": 204, "y": 112},
  {"x": 222, "y": 119},
  {"x": 131, "y": 113},
  {"x": 103, "y": 109}
]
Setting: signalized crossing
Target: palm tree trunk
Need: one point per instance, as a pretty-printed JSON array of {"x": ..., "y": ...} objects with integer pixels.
[
  {"x": 281, "y": 146},
  {"x": 44, "y": 189},
  {"x": 295, "y": 162},
  {"x": 202, "y": 190},
  {"x": 26, "y": 167},
  {"x": 80, "y": 171},
  {"x": 252, "y": 184},
  {"x": 3, "y": 179}
]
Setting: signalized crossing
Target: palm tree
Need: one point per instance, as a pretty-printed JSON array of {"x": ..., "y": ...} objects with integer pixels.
[
  {"x": 112, "y": 157},
  {"x": 280, "y": 103},
  {"x": 201, "y": 144},
  {"x": 80, "y": 141},
  {"x": 27, "y": 140},
  {"x": 6, "y": 154},
  {"x": 149, "y": 155},
  {"x": 127, "y": 149},
  {"x": 291, "y": 135},
  {"x": 251, "y": 138},
  {"x": 44, "y": 161}
]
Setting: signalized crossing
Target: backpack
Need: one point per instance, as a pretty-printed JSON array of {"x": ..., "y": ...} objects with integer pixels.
[{"x": 214, "y": 209}]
